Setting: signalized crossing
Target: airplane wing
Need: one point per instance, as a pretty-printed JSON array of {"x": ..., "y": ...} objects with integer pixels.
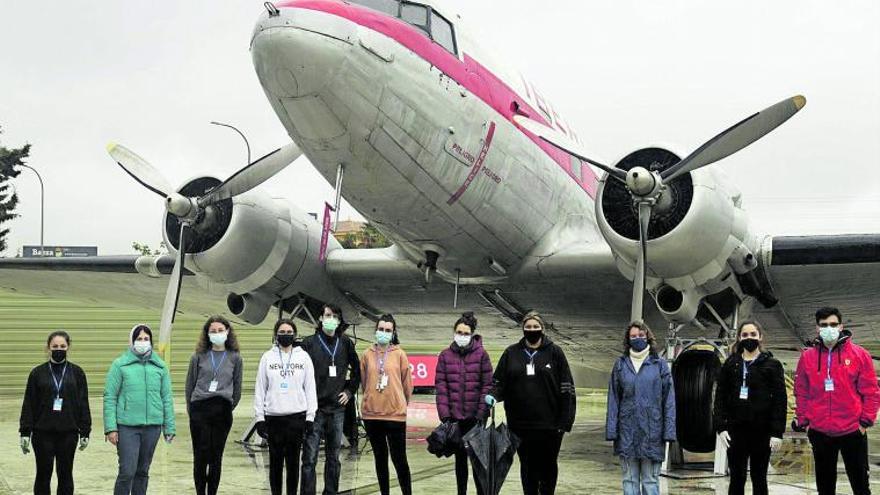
[{"x": 807, "y": 272}]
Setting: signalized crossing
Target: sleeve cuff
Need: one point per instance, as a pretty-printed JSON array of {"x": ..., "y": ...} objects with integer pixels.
[{"x": 865, "y": 423}]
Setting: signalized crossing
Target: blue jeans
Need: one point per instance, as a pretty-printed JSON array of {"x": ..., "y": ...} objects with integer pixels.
[
  {"x": 642, "y": 473},
  {"x": 329, "y": 427},
  {"x": 135, "y": 450}
]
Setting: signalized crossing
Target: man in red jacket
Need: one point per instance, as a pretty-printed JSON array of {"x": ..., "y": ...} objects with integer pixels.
[{"x": 837, "y": 401}]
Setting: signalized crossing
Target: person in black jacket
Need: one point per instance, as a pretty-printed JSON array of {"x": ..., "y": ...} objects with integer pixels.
[
  {"x": 750, "y": 408},
  {"x": 55, "y": 416},
  {"x": 337, "y": 377},
  {"x": 534, "y": 382}
]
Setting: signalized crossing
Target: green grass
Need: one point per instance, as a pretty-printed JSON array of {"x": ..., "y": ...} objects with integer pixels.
[{"x": 99, "y": 333}]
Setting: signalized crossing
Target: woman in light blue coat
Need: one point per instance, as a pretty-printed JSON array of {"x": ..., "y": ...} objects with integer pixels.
[{"x": 641, "y": 410}]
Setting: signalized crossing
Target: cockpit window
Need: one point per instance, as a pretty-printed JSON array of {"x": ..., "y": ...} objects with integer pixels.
[
  {"x": 415, "y": 14},
  {"x": 432, "y": 24},
  {"x": 441, "y": 32},
  {"x": 390, "y": 7}
]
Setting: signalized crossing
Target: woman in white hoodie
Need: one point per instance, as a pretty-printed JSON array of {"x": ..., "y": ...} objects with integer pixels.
[{"x": 285, "y": 403}]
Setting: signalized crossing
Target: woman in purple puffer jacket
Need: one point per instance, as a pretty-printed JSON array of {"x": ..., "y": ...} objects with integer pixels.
[{"x": 464, "y": 377}]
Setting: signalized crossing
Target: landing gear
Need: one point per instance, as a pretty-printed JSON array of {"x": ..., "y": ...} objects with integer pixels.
[{"x": 694, "y": 373}]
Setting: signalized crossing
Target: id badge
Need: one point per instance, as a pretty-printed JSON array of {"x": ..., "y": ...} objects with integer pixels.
[
  {"x": 744, "y": 392},
  {"x": 285, "y": 387},
  {"x": 383, "y": 382},
  {"x": 56, "y": 405},
  {"x": 829, "y": 385},
  {"x": 332, "y": 371},
  {"x": 530, "y": 369},
  {"x": 213, "y": 386}
]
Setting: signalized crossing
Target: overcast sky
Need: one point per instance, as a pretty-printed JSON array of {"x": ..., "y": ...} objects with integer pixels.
[{"x": 625, "y": 74}]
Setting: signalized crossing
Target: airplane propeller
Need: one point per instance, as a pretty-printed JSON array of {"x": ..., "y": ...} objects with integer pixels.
[
  {"x": 191, "y": 211},
  {"x": 646, "y": 187}
]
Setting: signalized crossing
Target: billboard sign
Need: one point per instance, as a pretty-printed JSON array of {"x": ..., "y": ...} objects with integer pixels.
[{"x": 59, "y": 251}]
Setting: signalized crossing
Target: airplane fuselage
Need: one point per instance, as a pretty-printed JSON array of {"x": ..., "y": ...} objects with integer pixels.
[{"x": 424, "y": 131}]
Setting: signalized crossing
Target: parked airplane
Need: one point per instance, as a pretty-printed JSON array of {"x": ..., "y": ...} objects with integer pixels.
[{"x": 488, "y": 199}]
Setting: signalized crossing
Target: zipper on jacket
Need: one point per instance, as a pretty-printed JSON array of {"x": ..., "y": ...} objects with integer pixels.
[{"x": 146, "y": 395}]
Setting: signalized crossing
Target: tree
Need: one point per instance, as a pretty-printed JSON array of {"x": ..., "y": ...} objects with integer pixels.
[
  {"x": 9, "y": 159},
  {"x": 373, "y": 238},
  {"x": 144, "y": 249}
]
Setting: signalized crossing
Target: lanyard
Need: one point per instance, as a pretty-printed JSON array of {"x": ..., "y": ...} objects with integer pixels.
[
  {"x": 327, "y": 348},
  {"x": 287, "y": 367},
  {"x": 745, "y": 371},
  {"x": 828, "y": 367},
  {"x": 382, "y": 361},
  {"x": 531, "y": 355},
  {"x": 58, "y": 383},
  {"x": 215, "y": 367}
]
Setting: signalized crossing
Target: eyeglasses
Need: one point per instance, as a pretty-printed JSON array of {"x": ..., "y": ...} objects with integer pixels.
[{"x": 829, "y": 325}]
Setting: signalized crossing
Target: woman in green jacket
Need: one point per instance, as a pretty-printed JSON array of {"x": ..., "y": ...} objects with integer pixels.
[{"x": 137, "y": 406}]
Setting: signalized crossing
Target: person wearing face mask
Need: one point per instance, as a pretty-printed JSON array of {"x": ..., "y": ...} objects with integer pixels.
[
  {"x": 750, "y": 408},
  {"x": 285, "y": 403},
  {"x": 386, "y": 389},
  {"x": 213, "y": 389},
  {"x": 464, "y": 377},
  {"x": 534, "y": 382},
  {"x": 837, "y": 401},
  {"x": 55, "y": 416},
  {"x": 138, "y": 406},
  {"x": 640, "y": 419},
  {"x": 337, "y": 378}
]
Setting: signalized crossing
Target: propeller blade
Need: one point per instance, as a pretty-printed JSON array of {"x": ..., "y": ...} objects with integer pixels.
[
  {"x": 641, "y": 272},
  {"x": 172, "y": 294},
  {"x": 253, "y": 174},
  {"x": 737, "y": 137},
  {"x": 140, "y": 169},
  {"x": 560, "y": 141}
]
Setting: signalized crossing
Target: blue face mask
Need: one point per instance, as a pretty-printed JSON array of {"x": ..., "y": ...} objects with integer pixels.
[
  {"x": 383, "y": 338},
  {"x": 829, "y": 335},
  {"x": 638, "y": 344}
]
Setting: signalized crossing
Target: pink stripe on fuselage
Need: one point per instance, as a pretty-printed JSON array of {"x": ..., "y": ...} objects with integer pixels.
[{"x": 477, "y": 79}]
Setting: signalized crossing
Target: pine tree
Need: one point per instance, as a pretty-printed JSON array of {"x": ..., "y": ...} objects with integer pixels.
[{"x": 9, "y": 159}]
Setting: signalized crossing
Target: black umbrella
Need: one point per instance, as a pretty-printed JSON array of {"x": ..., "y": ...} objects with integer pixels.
[
  {"x": 491, "y": 451},
  {"x": 445, "y": 439}
]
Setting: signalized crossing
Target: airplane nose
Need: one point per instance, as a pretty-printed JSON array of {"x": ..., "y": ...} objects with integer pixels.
[{"x": 297, "y": 52}]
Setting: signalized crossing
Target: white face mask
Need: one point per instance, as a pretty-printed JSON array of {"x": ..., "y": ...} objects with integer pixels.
[
  {"x": 462, "y": 340},
  {"x": 142, "y": 347},
  {"x": 218, "y": 338}
]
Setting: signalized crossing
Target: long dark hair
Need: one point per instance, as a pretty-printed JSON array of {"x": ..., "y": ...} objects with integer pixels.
[
  {"x": 652, "y": 341},
  {"x": 204, "y": 343},
  {"x": 734, "y": 348},
  {"x": 388, "y": 318},
  {"x": 467, "y": 318},
  {"x": 58, "y": 333},
  {"x": 336, "y": 310}
]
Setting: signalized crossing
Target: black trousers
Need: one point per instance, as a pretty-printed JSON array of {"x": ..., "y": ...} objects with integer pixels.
[
  {"x": 390, "y": 436},
  {"x": 538, "y": 452},
  {"x": 209, "y": 423},
  {"x": 285, "y": 443},
  {"x": 461, "y": 460},
  {"x": 749, "y": 447},
  {"x": 349, "y": 426},
  {"x": 53, "y": 449},
  {"x": 854, "y": 449}
]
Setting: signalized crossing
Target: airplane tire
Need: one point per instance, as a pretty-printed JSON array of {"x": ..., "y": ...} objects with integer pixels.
[{"x": 695, "y": 373}]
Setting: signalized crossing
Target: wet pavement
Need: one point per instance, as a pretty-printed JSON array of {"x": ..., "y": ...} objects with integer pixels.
[{"x": 586, "y": 465}]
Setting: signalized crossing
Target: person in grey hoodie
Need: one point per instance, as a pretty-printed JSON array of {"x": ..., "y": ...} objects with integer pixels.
[
  {"x": 213, "y": 389},
  {"x": 285, "y": 403}
]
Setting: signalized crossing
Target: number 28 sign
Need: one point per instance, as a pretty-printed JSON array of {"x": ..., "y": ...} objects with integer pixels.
[{"x": 423, "y": 368}]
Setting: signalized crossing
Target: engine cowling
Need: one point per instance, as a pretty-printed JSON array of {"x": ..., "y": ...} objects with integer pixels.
[
  {"x": 697, "y": 235},
  {"x": 258, "y": 249}
]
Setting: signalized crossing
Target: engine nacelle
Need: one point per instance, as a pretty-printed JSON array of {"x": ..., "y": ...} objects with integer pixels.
[
  {"x": 698, "y": 234},
  {"x": 258, "y": 249}
]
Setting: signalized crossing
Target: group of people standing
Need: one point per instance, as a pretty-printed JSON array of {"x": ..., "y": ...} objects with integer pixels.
[
  {"x": 303, "y": 388},
  {"x": 835, "y": 387}
]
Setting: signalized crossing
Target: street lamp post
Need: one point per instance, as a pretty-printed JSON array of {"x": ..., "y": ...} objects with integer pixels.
[
  {"x": 248, "y": 145},
  {"x": 42, "y": 207}
]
